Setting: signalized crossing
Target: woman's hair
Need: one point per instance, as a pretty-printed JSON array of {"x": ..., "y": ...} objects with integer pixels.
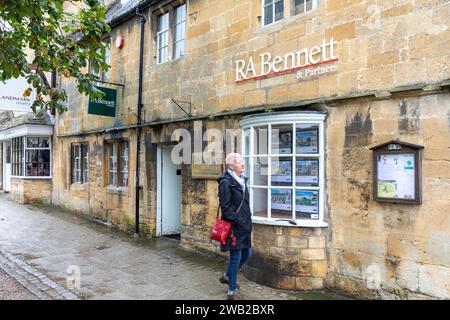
[{"x": 232, "y": 159}]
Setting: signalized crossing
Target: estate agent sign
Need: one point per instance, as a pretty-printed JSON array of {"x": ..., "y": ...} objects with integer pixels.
[
  {"x": 105, "y": 106},
  {"x": 307, "y": 62}
]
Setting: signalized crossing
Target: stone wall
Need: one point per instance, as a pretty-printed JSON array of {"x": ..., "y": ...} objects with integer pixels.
[
  {"x": 288, "y": 257},
  {"x": 380, "y": 45},
  {"x": 31, "y": 191},
  {"x": 382, "y": 249}
]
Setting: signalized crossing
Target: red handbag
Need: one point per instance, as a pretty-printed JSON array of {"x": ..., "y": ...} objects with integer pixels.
[{"x": 222, "y": 228}]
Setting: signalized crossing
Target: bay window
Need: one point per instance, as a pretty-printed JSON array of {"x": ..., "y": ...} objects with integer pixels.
[
  {"x": 31, "y": 157},
  {"x": 284, "y": 158}
]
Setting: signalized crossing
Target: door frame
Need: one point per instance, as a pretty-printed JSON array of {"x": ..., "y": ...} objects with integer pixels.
[
  {"x": 4, "y": 178},
  {"x": 159, "y": 185}
]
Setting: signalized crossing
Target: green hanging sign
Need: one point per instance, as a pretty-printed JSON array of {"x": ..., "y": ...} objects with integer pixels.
[{"x": 104, "y": 106}]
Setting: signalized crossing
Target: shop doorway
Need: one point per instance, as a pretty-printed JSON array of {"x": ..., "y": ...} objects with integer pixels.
[
  {"x": 169, "y": 195},
  {"x": 6, "y": 166}
]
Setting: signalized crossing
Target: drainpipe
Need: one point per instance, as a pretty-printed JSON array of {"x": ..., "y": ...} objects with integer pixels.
[{"x": 139, "y": 118}]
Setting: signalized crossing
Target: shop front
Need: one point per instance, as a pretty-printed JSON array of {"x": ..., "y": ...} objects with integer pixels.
[{"x": 27, "y": 158}]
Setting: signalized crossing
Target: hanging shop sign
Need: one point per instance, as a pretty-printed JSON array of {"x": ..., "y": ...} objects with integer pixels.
[
  {"x": 397, "y": 172},
  {"x": 12, "y": 95},
  {"x": 104, "y": 106},
  {"x": 307, "y": 62}
]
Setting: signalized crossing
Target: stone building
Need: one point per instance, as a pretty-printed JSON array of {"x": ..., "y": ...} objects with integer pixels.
[{"x": 341, "y": 77}]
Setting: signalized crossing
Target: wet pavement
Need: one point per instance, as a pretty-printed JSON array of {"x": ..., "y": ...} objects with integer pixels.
[
  {"x": 76, "y": 255},
  {"x": 10, "y": 289}
]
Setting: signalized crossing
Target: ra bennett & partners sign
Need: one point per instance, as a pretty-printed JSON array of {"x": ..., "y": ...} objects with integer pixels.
[
  {"x": 104, "y": 106},
  {"x": 307, "y": 62}
]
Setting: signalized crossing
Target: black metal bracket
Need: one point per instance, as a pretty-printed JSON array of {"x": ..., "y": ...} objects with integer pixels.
[
  {"x": 189, "y": 103},
  {"x": 112, "y": 83}
]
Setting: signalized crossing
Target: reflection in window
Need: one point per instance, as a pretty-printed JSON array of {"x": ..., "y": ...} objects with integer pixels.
[
  {"x": 260, "y": 171},
  {"x": 281, "y": 139}
]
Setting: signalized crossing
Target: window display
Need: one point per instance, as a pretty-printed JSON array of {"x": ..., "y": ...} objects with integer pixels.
[
  {"x": 281, "y": 139},
  {"x": 281, "y": 200},
  {"x": 307, "y": 172},
  {"x": 307, "y": 204},
  {"x": 306, "y": 139},
  {"x": 282, "y": 172}
]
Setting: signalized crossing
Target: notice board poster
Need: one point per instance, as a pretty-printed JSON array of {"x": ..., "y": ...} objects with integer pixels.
[{"x": 396, "y": 176}]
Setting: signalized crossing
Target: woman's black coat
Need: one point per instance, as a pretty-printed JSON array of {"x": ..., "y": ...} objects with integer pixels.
[{"x": 230, "y": 197}]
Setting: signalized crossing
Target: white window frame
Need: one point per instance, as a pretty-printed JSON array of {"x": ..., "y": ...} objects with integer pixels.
[
  {"x": 159, "y": 34},
  {"x": 263, "y": 6},
  {"x": 282, "y": 118},
  {"x": 178, "y": 24},
  {"x": 82, "y": 170},
  {"x": 314, "y": 6},
  {"x": 24, "y": 157}
]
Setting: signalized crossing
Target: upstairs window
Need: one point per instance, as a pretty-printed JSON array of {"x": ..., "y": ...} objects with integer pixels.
[
  {"x": 163, "y": 38},
  {"x": 302, "y": 6},
  {"x": 273, "y": 10},
  {"x": 179, "y": 31}
]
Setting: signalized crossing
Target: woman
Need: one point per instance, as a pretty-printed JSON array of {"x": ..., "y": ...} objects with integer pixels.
[{"x": 234, "y": 202}]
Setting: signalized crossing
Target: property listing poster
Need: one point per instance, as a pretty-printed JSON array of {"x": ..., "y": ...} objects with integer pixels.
[
  {"x": 282, "y": 141},
  {"x": 282, "y": 171},
  {"x": 307, "y": 202},
  {"x": 306, "y": 141},
  {"x": 307, "y": 172},
  {"x": 396, "y": 176},
  {"x": 281, "y": 199}
]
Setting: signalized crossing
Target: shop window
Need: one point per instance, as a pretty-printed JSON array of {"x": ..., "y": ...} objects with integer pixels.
[
  {"x": 18, "y": 152},
  {"x": 284, "y": 157},
  {"x": 80, "y": 162},
  {"x": 31, "y": 157},
  {"x": 273, "y": 10},
  {"x": 102, "y": 74},
  {"x": 302, "y": 6},
  {"x": 118, "y": 163}
]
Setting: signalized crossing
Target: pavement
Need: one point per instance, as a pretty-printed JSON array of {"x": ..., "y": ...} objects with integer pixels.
[{"x": 50, "y": 253}]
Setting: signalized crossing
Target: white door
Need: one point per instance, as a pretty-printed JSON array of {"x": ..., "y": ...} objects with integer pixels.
[
  {"x": 7, "y": 166},
  {"x": 169, "y": 195}
]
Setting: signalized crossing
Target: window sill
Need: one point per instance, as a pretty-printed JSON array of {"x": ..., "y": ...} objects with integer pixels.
[
  {"x": 300, "y": 223},
  {"x": 79, "y": 186},
  {"x": 31, "y": 178},
  {"x": 123, "y": 191}
]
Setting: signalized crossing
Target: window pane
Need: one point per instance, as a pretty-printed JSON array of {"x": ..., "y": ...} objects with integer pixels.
[
  {"x": 85, "y": 160},
  {"x": 260, "y": 202},
  {"x": 307, "y": 172},
  {"x": 246, "y": 142},
  {"x": 260, "y": 140},
  {"x": 281, "y": 203},
  {"x": 260, "y": 171},
  {"x": 44, "y": 143},
  {"x": 307, "y": 204},
  {"x": 279, "y": 10},
  {"x": 281, "y": 172},
  {"x": 299, "y": 6},
  {"x": 308, "y": 5},
  {"x": 32, "y": 142},
  {"x": 268, "y": 1},
  {"x": 268, "y": 14},
  {"x": 44, "y": 156},
  {"x": 307, "y": 138},
  {"x": 163, "y": 22},
  {"x": 281, "y": 139}
]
